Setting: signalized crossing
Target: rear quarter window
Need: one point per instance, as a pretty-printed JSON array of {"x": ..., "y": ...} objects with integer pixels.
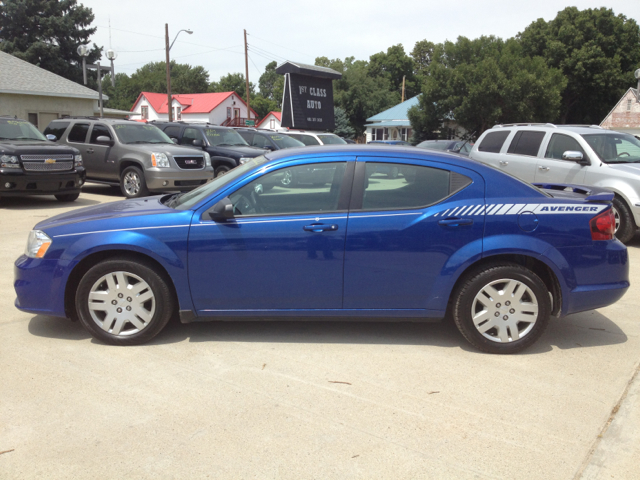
[
  {"x": 493, "y": 141},
  {"x": 56, "y": 128},
  {"x": 526, "y": 143}
]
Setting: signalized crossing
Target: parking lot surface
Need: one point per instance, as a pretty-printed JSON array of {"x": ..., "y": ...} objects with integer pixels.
[{"x": 311, "y": 399}]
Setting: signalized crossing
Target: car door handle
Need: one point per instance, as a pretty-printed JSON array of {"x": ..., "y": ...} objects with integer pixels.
[
  {"x": 455, "y": 222},
  {"x": 320, "y": 227},
  {"x": 502, "y": 162},
  {"x": 544, "y": 169},
  {"x": 89, "y": 150}
]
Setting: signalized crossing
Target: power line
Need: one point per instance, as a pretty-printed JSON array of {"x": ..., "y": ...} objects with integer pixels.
[
  {"x": 266, "y": 52},
  {"x": 286, "y": 48},
  {"x": 264, "y": 56},
  {"x": 254, "y": 63}
]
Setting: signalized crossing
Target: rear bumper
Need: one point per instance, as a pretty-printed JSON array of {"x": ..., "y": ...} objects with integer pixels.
[
  {"x": 161, "y": 181},
  {"x": 51, "y": 183}
]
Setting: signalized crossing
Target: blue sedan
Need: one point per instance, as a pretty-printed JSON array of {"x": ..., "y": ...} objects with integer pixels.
[{"x": 446, "y": 236}]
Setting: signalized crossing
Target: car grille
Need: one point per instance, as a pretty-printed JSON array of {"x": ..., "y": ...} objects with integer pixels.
[
  {"x": 41, "y": 158},
  {"x": 47, "y": 167},
  {"x": 189, "y": 162}
]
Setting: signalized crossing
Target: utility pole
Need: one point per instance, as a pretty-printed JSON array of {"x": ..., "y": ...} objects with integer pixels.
[
  {"x": 166, "y": 39},
  {"x": 246, "y": 68},
  {"x": 403, "y": 78}
]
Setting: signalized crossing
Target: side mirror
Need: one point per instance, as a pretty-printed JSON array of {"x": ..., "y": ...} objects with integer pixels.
[
  {"x": 198, "y": 143},
  {"x": 174, "y": 140},
  {"x": 574, "y": 156},
  {"x": 51, "y": 138},
  {"x": 104, "y": 139},
  {"x": 221, "y": 211}
]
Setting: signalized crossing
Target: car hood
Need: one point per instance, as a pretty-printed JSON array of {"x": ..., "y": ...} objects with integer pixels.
[
  {"x": 20, "y": 147},
  {"x": 134, "y": 207},
  {"x": 166, "y": 148},
  {"x": 238, "y": 151},
  {"x": 628, "y": 168}
]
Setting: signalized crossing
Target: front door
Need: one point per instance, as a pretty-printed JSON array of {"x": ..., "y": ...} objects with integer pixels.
[
  {"x": 406, "y": 224},
  {"x": 284, "y": 248},
  {"x": 98, "y": 154},
  {"x": 553, "y": 169}
]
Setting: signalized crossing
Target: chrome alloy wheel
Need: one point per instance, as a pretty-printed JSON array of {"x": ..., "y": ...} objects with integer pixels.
[
  {"x": 121, "y": 303},
  {"x": 616, "y": 214},
  {"x": 132, "y": 183},
  {"x": 504, "y": 310}
]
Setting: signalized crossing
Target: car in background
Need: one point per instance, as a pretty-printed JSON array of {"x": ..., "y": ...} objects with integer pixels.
[
  {"x": 32, "y": 165},
  {"x": 316, "y": 138},
  {"x": 137, "y": 157},
  {"x": 400, "y": 143},
  {"x": 583, "y": 155},
  {"x": 453, "y": 146},
  {"x": 224, "y": 145},
  {"x": 267, "y": 139},
  {"x": 499, "y": 254}
]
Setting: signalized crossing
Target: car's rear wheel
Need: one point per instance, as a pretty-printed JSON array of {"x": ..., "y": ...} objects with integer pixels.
[
  {"x": 502, "y": 309},
  {"x": 625, "y": 226},
  {"x": 124, "y": 302},
  {"x": 68, "y": 197},
  {"x": 133, "y": 183}
]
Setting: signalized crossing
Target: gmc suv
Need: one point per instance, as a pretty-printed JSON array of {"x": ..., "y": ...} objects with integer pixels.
[
  {"x": 570, "y": 154},
  {"x": 32, "y": 165},
  {"x": 138, "y": 157}
]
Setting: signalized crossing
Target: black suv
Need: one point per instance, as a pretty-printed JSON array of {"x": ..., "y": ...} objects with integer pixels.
[
  {"x": 226, "y": 148},
  {"x": 32, "y": 165}
]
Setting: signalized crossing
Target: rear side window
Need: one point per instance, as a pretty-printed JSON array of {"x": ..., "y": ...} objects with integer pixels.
[
  {"x": 78, "y": 133},
  {"x": 526, "y": 143},
  {"x": 560, "y": 143},
  {"x": 493, "y": 141},
  {"x": 56, "y": 128},
  {"x": 391, "y": 186}
]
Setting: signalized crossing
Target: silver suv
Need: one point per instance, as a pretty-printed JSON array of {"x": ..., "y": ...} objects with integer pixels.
[
  {"x": 316, "y": 138},
  {"x": 138, "y": 157},
  {"x": 567, "y": 154}
]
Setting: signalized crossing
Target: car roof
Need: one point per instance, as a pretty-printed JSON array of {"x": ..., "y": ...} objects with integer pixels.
[{"x": 579, "y": 129}]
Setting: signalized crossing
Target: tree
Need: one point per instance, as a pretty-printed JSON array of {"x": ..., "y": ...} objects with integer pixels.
[
  {"x": 342, "y": 129},
  {"x": 597, "y": 53},
  {"x": 233, "y": 82},
  {"x": 422, "y": 54},
  {"x": 482, "y": 82},
  {"x": 263, "y": 106},
  {"x": 152, "y": 77},
  {"x": 271, "y": 84},
  {"x": 394, "y": 65},
  {"x": 47, "y": 33}
]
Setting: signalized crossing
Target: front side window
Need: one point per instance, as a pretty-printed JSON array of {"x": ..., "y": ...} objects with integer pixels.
[
  {"x": 526, "y": 143},
  {"x": 559, "y": 144},
  {"x": 78, "y": 133},
  {"x": 189, "y": 135},
  {"x": 392, "y": 186},
  {"x": 172, "y": 132},
  {"x": 260, "y": 141},
  {"x": 493, "y": 141},
  {"x": 313, "y": 188},
  {"x": 56, "y": 128},
  {"x": 99, "y": 131},
  {"x": 615, "y": 147},
  {"x": 307, "y": 139}
]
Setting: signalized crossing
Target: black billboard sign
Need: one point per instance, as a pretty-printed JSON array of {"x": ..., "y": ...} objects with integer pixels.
[{"x": 308, "y": 96}]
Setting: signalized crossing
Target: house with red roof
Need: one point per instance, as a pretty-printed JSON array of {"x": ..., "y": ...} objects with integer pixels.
[
  {"x": 220, "y": 108},
  {"x": 273, "y": 120}
]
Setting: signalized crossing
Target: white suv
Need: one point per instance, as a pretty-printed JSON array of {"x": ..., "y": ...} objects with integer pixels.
[
  {"x": 577, "y": 155},
  {"x": 316, "y": 138}
]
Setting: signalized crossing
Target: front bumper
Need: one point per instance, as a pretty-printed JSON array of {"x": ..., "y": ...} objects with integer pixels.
[
  {"x": 39, "y": 286},
  {"x": 51, "y": 183},
  {"x": 162, "y": 180}
]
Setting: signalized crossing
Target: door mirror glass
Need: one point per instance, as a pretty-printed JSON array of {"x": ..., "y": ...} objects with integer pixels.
[{"x": 221, "y": 211}]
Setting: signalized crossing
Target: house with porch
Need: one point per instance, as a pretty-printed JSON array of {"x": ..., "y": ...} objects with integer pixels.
[
  {"x": 220, "y": 108},
  {"x": 625, "y": 116}
]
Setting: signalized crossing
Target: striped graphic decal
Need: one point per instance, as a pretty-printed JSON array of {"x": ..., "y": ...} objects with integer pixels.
[{"x": 517, "y": 208}]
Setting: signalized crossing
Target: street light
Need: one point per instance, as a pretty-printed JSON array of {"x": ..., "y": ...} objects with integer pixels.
[
  {"x": 83, "y": 51},
  {"x": 167, "y": 48}
]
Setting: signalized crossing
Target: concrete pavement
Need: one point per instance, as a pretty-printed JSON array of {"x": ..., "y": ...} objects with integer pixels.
[{"x": 312, "y": 399}]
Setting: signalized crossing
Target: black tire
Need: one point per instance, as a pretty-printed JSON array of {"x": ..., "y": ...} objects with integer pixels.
[
  {"x": 626, "y": 228},
  {"x": 68, "y": 197},
  {"x": 221, "y": 170},
  {"x": 134, "y": 319},
  {"x": 499, "y": 339},
  {"x": 133, "y": 183}
]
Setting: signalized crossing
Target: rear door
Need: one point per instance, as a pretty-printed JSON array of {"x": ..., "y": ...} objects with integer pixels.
[{"x": 406, "y": 234}]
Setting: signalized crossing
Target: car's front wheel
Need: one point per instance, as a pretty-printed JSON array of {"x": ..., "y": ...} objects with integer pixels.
[
  {"x": 221, "y": 170},
  {"x": 133, "y": 183},
  {"x": 502, "y": 309},
  {"x": 124, "y": 302}
]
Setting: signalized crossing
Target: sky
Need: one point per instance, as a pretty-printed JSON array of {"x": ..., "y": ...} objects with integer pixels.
[{"x": 303, "y": 30}]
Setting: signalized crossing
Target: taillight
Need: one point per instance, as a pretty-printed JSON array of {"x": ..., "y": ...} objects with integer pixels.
[{"x": 603, "y": 226}]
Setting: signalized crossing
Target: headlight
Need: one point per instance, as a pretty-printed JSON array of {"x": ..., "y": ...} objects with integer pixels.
[
  {"x": 207, "y": 159},
  {"x": 37, "y": 244},
  {"x": 244, "y": 160},
  {"x": 9, "y": 161},
  {"x": 77, "y": 161},
  {"x": 159, "y": 160}
]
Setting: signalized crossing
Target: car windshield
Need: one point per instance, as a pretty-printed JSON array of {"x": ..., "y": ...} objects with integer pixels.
[
  {"x": 138, "y": 133},
  {"x": 284, "y": 141},
  {"x": 614, "y": 147},
  {"x": 224, "y": 136},
  {"x": 332, "y": 140},
  {"x": 187, "y": 200},
  {"x": 434, "y": 145},
  {"x": 19, "y": 130}
]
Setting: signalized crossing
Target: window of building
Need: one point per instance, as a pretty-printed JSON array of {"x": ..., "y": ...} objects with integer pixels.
[
  {"x": 178, "y": 114},
  {"x": 629, "y": 105},
  {"x": 33, "y": 119},
  {"x": 145, "y": 112},
  {"x": 493, "y": 141},
  {"x": 526, "y": 143},
  {"x": 78, "y": 133},
  {"x": 272, "y": 123},
  {"x": 228, "y": 112}
]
